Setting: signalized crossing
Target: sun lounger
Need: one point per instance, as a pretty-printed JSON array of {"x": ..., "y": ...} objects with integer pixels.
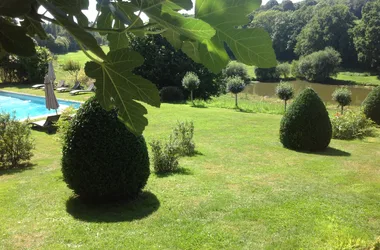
[
  {"x": 90, "y": 88},
  {"x": 61, "y": 84},
  {"x": 65, "y": 89},
  {"x": 38, "y": 86},
  {"x": 46, "y": 123}
]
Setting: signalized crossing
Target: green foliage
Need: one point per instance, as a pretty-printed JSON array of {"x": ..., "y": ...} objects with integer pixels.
[
  {"x": 319, "y": 66},
  {"x": 190, "y": 81},
  {"x": 63, "y": 124},
  {"x": 166, "y": 66},
  {"x": 72, "y": 67},
  {"x": 165, "y": 157},
  {"x": 306, "y": 125},
  {"x": 352, "y": 125},
  {"x": 15, "y": 141},
  {"x": 102, "y": 160},
  {"x": 201, "y": 37},
  {"x": 342, "y": 96},
  {"x": 235, "y": 85},
  {"x": 371, "y": 105},
  {"x": 284, "y": 70},
  {"x": 267, "y": 75},
  {"x": 11, "y": 70},
  {"x": 171, "y": 95},
  {"x": 238, "y": 69},
  {"x": 329, "y": 27},
  {"x": 367, "y": 35},
  {"x": 182, "y": 136},
  {"x": 294, "y": 69},
  {"x": 37, "y": 65},
  {"x": 285, "y": 92}
]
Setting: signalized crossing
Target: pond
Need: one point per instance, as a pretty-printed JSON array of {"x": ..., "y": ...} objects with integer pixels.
[{"x": 359, "y": 93}]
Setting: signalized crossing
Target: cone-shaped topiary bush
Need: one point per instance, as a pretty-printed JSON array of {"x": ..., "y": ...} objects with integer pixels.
[
  {"x": 102, "y": 160},
  {"x": 306, "y": 125},
  {"x": 371, "y": 105}
]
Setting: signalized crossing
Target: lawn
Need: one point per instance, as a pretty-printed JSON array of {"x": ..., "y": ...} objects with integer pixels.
[
  {"x": 358, "y": 78},
  {"x": 242, "y": 191}
]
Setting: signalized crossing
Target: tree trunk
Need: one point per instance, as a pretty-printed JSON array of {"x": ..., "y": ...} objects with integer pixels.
[
  {"x": 192, "y": 101},
  {"x": 285, "y": 105},
  {"x": 236, "y": 103},
  {"x": 341, "y": 110}
]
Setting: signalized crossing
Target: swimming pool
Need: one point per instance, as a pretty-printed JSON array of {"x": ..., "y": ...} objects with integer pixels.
[{"x": 29, "y": 106}]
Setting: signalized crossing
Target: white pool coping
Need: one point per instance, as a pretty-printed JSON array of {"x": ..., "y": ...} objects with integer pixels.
[{"x": 40, "y": 116}]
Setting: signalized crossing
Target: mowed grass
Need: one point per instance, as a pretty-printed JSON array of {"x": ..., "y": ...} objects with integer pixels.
[
  {"x": 243, "y": 190},
  {"x": 358, "y": 78}
]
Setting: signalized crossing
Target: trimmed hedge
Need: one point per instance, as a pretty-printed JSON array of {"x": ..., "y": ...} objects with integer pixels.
[
  {"x": 371, "y": 105},
  {"x": 306, "y": 125},
  {"x": 102, "y": 160},
  {"x": 172, "y": 94}
]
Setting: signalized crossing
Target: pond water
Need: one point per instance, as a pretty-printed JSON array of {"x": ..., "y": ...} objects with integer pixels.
[{"x": 359, "y": 93}]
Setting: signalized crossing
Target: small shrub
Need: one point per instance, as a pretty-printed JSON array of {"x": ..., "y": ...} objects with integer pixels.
[
  {"x": 343, "y": 97},
  {"x": 352, "y": 125},
  {"x": 236, "y": 69},
  {"x": 235, "y": 85},
  {"x": 15, "y": 142},
  {"x": 267, "y": 75},
  {"x": 306, "y": 125},
  {"x": 171, "y": 94},
  {"x": 165, "y": 157},
  {"x": 101, "y": 159},
  {"x": 284, "y": 70},
  {"x": 320, "y": 65},
  {"x": 37, "y": 65},
  {"x": 64, "y": 121},
  {"x": 371, "y": 105},
  {"x": 182, "y": 136},
  {"x": 285, "y": 92},
  {"x": 190, "y": 82},
  {"x": 72, "y": 67}
]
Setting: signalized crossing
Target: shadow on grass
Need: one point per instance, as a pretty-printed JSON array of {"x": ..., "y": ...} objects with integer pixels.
[
  {"x": 21, "y": 168},
  {"x": 180, "y": 171},
  {"x": 199, "y": 106},
  {"x": 329, "y": 152},
  {"x": 50, "y": 131},
  {"x": 140, "y": 208}
]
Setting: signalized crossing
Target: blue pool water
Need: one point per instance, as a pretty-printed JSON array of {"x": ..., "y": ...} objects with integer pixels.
[{"x": 29, "y": 106}]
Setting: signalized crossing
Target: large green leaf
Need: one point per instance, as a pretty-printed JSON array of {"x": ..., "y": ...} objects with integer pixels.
[
  {"x": 79, "y": 33},
  {"x": 14, "y": 39},
  {"x": 116, "y": 85},
  {"x": 250, "y": 46},
  {"x": 15, "y": 8},
  {"x": 118, "y": 40},
  {"x": 179, "y": 25},
  {"x": 173, "y": 4},
  {"x": 74, "y": 8},
  {"x": 33, "y": 27}
]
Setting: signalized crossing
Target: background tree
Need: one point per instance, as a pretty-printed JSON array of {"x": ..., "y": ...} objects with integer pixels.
[
  {"x": 284, "y": 70},
  {"x": 267, "y": 75},
  {"x": 319, "y": 66},
  {"x": 342, "y": 96},
  {"x": 191, "y": 82},
  {"x": 72, "y": 67},
  {"x": 329, "y": 27},
  {"x": 165, "y": 66},
  {"x": 285, "y": 92},
  {"x": 235, "y": 85},
  {"x": 235, "y": 68},
  {"x": 367, "y": 36}
]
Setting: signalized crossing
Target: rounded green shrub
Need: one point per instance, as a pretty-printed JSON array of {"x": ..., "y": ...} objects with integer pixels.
[
  {"x": 102, "y": 160},
  {"x": 235, "y": 85},
  {"x": 171, "y": 94},
  {"x": 342, "y": 96},
  {"x": 236, "y": 69},
  {"x": 306, "y": 125},
  {"x": 285, "y": 92},
  {"x": 371, "y": 105}
]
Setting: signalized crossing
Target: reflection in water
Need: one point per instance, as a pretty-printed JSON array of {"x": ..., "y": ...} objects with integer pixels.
[{"x": 359, "y": 93}]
